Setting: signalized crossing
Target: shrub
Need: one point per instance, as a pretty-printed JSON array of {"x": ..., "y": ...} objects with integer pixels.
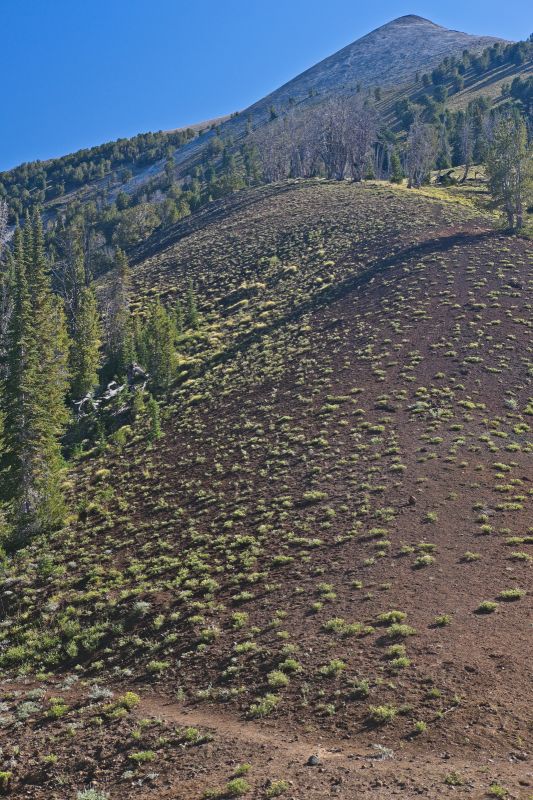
[
  {"x": 58, "y": 708},
  {"x": 397, "y": 631},
  {"x": 381, "y": 715},
  {"x": 242, "y": 769},
  {"x": 392, "y": 616},
  {"x": 399, "y": 663},
  {"x": 453, "y": 779},
  {"x": 360, "y": 689},
  {"x": 495, "y": 790},
  {"x": 276, "y": 789},
  {"x": 469, "y": 556},
  {"x": 237, "y": 787},
  {"x": 314, "y": 497},
  {"x": 264, "y": 706},
  {"x": 334, "y": 668},
  {"x": 487, "y": 607},
  {"x": 129, "y": 701},
  {"x": 91, "y": 794},
  {"x": 157, "y": 667},
  {"x": 290, "y": 665},
  {"x": 277, "y": 679},
  {"x": 423, "y": 561},
  {"x": 143, "y": 756},
  {"x": 511, "y": 594}
]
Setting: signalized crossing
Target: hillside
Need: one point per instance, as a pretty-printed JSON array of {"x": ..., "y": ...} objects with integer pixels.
[
  {"x": 327, "y": 552},
  {"x": 388, "y": 57}
]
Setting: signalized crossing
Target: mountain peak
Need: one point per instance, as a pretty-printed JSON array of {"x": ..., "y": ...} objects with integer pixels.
[{"x": 408, "y": 19}]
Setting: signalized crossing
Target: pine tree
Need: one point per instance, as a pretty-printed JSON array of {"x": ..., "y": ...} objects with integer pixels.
[
  {"x": 396, "y": 168},
  {"x": 510, "y": 169},
  {"x": 33, "y": 394},
  {"x": 119, "y": 329},
  {"x": 155, "y": 419},
  {"x": 85, "y": 347},
  {"x": 158, "y": 339},
  {"x": 191, "y": 317},
  {"x": 178, "y": 318}
]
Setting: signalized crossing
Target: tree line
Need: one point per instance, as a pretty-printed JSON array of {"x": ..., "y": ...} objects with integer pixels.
[{"x": 57, "y": 346}]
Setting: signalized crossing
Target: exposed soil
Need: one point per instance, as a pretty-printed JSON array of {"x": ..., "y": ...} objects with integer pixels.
[{"x": 351, "y": 437}]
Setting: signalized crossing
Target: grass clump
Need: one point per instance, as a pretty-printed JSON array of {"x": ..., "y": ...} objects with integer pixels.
[
  {"x": 237, "y": 787},
  {"x": 276, "y": 789},
  {"x": 399, "y": 631},
  {"x": 382, "y": 715},
  {"x": 486, "y": 607},
  {"x": 264, "y": 706},
  {"x": 333, "y": 668},
  {"x": 277, "y": 679},
  {"x": 511, "y": 594}
]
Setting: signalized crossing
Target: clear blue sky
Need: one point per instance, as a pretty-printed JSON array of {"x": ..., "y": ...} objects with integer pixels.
[{"x": 75, "y": 73}]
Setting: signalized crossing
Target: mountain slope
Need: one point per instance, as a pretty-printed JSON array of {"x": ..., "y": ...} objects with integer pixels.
[
  {"x": 343, "y": 482},
  {"x": 387, "y": 56}
]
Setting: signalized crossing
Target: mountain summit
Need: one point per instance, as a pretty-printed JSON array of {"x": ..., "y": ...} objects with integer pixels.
[{"x": 387, "y": 56}]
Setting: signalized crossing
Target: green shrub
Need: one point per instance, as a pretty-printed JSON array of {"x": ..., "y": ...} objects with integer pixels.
[
  {"x": 487, "y": 607},
  {"x": 389, "y": 617},
  {"x": 511, "y": 594},
  {"x": 143, "y": 756},
  {"x": 398, "y": 631},
  {"x": 276, "y": 789},
  {"x": 277, "y": 679},
  {"x": 264, "y": 706},
  {"x": 381, "y": 715},
  {"x": 333, "y": 668},
  {"x": 495, "y": 790}
]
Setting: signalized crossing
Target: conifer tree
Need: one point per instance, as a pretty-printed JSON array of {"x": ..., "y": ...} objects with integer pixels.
[
  {"x": 191, "y": 318},
  {"x": 85, "y": 347},
  {"x": 510, "y": 169},
  {"x": 158, "y": 339},
  {"x": 178, "y": 318},
  {"x": 119, "y": 328},
  {"x": 155, "y": 419},
  {"x": 396, "y": 168},
  {"x": 33, "y": 406}
]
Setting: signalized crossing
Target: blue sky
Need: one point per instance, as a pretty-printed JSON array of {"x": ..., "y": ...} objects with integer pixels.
[{"x": 75, "y": 73}]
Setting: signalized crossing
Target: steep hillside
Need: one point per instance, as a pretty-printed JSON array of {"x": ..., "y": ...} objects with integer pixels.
[
  {"x": 327, "y": 552},
  {"x": 388, "y": 57}
]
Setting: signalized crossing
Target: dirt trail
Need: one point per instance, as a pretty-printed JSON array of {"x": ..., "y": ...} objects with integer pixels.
[
  {"x": 345, "y": 766},
  {"x": 295, "y": 747}
]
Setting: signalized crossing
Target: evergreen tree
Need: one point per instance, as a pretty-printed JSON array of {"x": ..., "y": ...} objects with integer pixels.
[
  {"x": 158, "y": 339},
  {"x": 178, "y": 318},
  {"x": 510, "y": 168},
  {"x": 396, "y": 168},
  {"x": 119, "y": 329},
  {"x": 155, "y": 419},
  {"x": 85, "y": 347},
  {"x": 33, "y": 406},
  {"x": 191, "y": 317}
]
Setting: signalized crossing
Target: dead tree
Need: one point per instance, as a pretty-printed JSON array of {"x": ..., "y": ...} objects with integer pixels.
[{"x": 420, "y": 153}]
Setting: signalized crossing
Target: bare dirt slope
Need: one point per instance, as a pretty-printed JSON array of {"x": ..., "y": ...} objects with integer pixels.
[{"x": 329, "y": 550}]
